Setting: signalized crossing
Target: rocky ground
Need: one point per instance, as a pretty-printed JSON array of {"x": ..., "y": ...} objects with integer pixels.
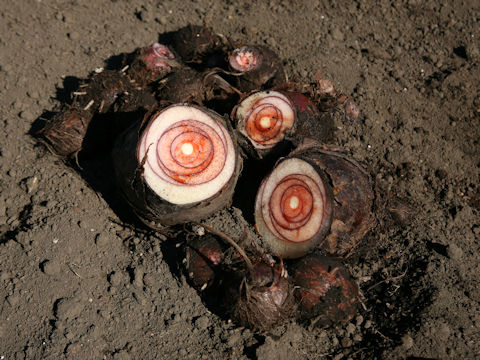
[{"x": 77, "y": 281}]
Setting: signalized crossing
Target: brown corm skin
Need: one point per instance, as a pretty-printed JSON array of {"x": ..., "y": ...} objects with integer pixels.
[
  {"x": 65, "y": 131},
  {"x": 310, "y": 122},
  {"x": 183, "y": 85},
  {"x": 101, "y": 90},
  {"x": 204, "y": 255},
  {"x": 324, "y": 290},
  {"x": 262, "y": 300},
  {"x": 353, "y": 217},
  {"x": 193, "y": 42},
  {"x": 142, "y": 73}
]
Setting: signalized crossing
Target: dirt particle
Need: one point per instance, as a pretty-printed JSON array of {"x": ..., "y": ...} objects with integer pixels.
[
  {"x": 122, "y": 355},
  {"x": 101, "y": 240},
  {"x": 116, "y": 278},
  {"x": 73, "y": 35},
  {"x": 350, "y": 329},
  {"x": 68, "y": 308},
  {"x": 13, "y": 299},
  {"x": 29, "y": 184},
  {"x": 234, "y": 338},
  {"x": 444, "y": 331},
  {"x": 50, "y": 267},
  {"x": 138, "y": 277},
  {"x": 454, "y": 251},
  {"x": 27, "y": 115},
  {"x": 337, "y": 34},
  {"x": 149, "y": 280},
  {"x": 202, "y": 322},
  {"x": 407, "y": 342}
]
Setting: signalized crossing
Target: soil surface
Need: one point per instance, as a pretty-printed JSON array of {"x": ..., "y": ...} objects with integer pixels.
[{"x": 79, "y": 281}]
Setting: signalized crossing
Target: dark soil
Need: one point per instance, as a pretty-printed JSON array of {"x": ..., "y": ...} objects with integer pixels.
[{"x": 80, "y": 279}]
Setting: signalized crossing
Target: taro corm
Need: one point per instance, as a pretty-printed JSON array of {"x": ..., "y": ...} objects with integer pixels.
[
  {"x": 63, "y": 134},
  {"x": 293, "y": 208},
  {"x": 178, "y": 162},
  {"x": 151, "y": 63},
  {"x": 261, "y": 298},
  {"x": 204, "y": 255},
  {"x": 264, "y": 119},
  {"x": 256, "y": 67},
  {"x": 324, "y": 290},
  {"x": 353, "y": 215},
  {"x": 178, "y": 165}
]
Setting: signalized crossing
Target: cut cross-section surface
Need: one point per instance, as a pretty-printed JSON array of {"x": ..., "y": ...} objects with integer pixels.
[{"x": 293, "y": 208}]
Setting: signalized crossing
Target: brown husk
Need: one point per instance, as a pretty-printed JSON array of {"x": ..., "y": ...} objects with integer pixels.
[
  {"x": 261, "y": 300},
  {"x": 147, "y": 205},
  {"x": 135, "y": 100},
  {"x": 65, "y": 131},
  {"x": 204, "y": 256},
  {"x": 103, "y": 89},
  {"x": 185, "y": 85},
  {"x": 193, "y": 43},
  {"x": 353, "y": 215},
  {"x": 310, "y": 122},
  {"x": 325, "y": 291}
]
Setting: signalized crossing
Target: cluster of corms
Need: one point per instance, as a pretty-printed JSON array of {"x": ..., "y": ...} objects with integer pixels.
[{"x": 177, "y": 161}]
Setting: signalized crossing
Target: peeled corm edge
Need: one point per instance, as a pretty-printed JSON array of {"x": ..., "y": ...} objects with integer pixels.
[
  {"x": 293, "y": 208},
  {"x": 181, "y": 167},
  {"x": 152, "y": 63},
  {"x": 264, "y": 117},
  {"x": 246, "y": 58},
  {"x": 257, "y": 67}
]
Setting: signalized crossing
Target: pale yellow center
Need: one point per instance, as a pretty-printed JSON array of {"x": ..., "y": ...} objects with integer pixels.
[
  {"x": 187, "y": 148},
  {"x": 265, "y": 122},
  {"x": 294, "y": 202}
]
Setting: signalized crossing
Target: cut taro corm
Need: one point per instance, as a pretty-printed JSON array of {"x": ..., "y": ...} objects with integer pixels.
[
  {"x": 265, "y": 118},
  {"x": 324, "y": 289},
  {"x": 262, "y": 298},
  {"x": 293, "y": 208},
  {"x": 151, "y": 63},
  {"x": 262, "y": 119},
  {"x": 256, "y": 67},
  {"x": 178, "y": 165},
  {"x": 353, "y": 216}
]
